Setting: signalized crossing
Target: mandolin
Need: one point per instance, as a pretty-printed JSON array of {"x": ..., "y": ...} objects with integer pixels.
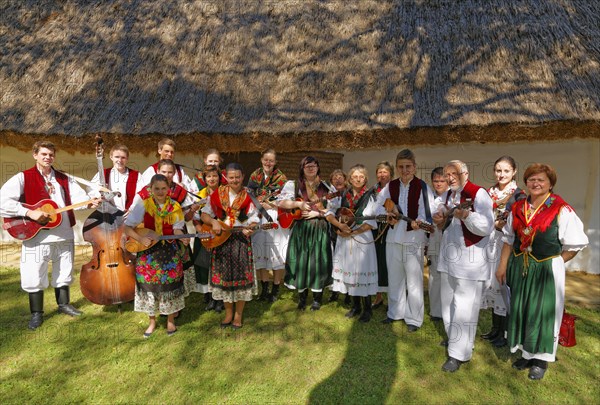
[
  {"x": 134, "y": 246},
  {"x": 24, "y": 228},
  {"x": 218, "y": 240},
  {"x": 423, "y": 225},
  {"x": 346, "y": 216},
  {"x": 286, "y": 217},
  {"x": 450, "y": 213}
]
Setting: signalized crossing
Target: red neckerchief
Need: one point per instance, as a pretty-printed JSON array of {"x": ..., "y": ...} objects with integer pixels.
[
  {"x": 353, "y": 199},
  {"x": 526, "y": 226},
  {"x": 223, "y": 208}
]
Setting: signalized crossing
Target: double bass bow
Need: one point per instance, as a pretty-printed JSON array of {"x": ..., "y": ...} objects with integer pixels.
[{"x": 109, "y": 277}]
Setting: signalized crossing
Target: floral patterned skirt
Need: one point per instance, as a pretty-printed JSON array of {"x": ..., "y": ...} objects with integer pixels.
[
  {"x": 159, "y": 278},
  {"x": 232, "y": 275}
]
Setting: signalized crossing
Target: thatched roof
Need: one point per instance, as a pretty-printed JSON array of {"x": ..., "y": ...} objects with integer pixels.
[{"x": 239, "y": 74}]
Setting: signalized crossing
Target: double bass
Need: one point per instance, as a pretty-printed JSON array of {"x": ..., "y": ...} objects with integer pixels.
[{"x": 109, "y": 277}]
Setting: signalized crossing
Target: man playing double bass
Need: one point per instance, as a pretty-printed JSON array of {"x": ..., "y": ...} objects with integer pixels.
[{"x": 54, "y": 245}]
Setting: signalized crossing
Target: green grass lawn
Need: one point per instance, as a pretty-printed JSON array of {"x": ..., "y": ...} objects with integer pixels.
[{"x": 280, "y": 356}]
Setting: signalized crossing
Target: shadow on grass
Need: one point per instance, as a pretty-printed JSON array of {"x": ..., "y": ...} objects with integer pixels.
[{"x": 367, "y": 371}]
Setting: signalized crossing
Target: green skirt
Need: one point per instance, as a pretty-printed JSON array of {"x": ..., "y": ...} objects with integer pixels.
[
  {"x": 532, "y": 305},
  {"x": 309, "y": 257}
]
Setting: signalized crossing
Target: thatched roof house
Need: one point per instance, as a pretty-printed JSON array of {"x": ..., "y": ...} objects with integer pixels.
[{"x": 240, "y": 74}]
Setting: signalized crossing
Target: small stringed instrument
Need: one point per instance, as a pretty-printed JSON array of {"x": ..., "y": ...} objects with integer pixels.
[
  {"x": 218, "y": 240},
  {"x": 424, "y": 225},
  {"x": 346, "y": 216},
  {"x": 286, "y": 217},
  {"x": 450, "y": 213},
  {"x": 24, "y": 228},
  {"x": 134, "y": 246}
]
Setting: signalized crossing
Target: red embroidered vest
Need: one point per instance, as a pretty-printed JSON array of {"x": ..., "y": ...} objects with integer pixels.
[
  {"x": 129, "y": 187},
  {"x": 469, "y": 191},
  {"x": 35, "y": 189}
]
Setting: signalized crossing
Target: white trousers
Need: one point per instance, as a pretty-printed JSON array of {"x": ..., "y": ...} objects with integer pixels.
[
  {"x": 435, "y": 284},
  {"x": 34, "y": 265},
  {"x": 405, "y": 282},
  {"x": 461, "y": 300}
]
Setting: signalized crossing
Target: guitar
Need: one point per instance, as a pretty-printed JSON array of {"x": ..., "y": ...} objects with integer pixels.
[
  {"x": 346, "y": 216},
  {"x": 450, "y": 213},
  {"x": 24, "y": 228},
  {"x": 423, "y": 225},
  {"x": 218, "y": 240},
  {"x": 287, "y": 216},
  {"x": 134, "y": 246}
]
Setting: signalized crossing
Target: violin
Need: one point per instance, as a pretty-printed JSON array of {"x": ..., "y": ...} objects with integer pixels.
[{"x": 109, "y": 277}]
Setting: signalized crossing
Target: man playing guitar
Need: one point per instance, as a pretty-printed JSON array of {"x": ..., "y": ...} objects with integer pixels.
[{"x": 43, "y": 182}]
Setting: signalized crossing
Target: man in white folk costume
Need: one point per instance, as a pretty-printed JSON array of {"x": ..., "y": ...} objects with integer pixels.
[{"x": 467, "y": 221}]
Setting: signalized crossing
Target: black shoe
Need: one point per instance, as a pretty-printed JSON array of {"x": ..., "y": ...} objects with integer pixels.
[
  {"x": 389, "y": 320},
  {"x": 37, "y": 318},
  {"x": 521, "y": 364},
  {"x": 377, "y": 305},
  {"x": 451, "y": 365},
  {"x": 219, "y": 306},
  {"x": 491, "y": 335},
  {"x": 435, "y": 319},
  {"x": 366, "y": 316},
  {"x": 347, "y": 299},
  {"x": 69, "y": 309},
  {"x": 273, "y": 296},
  {"x": 225, "y": 324},
  {"x": 211, "y": 305},
  {"x": 538, "y": 369},
  {"x": 302, "y": 300},
  {"x": 264, "y": 293},
  {"x": 356, "y": 308},
  {"x": 207, "y": 298},
  {"x": 353, "y": 312},
  {"x": 316, "y": 305},
  {"x": 36, "y": 307},
  {"x": 334, "y": 296},
  {"x": 63, "y": 300},
  {"x": 412, "y": 328},
  {"x": 499, "y": 341}
]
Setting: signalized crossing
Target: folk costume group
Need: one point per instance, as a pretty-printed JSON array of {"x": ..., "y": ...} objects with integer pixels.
[{"x": 503, "y": 248}]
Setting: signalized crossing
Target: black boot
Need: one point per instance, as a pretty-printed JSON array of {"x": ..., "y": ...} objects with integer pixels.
[
  {"x": 207, "y": 298},
  {"x": 63, "y": 300},
  {"x": 500, "y": 341},
  {"x": 211, "y": 303},
  {"x": 317, "y": 297},
  {"x": 302, "y": 300},
  {"x": 493, "y": 333},
  {"x": 334, "y": 296},
  {"x": 219, "y": 306},
  {"x": 274, "y": 293},
  {"x": 355, "y": 310},
  {"x": 264, "y": 293},
  {"x": 367, "y": 311},
  {"x": 347, "y": 299},
  {"x": 36, "y": 306}
]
